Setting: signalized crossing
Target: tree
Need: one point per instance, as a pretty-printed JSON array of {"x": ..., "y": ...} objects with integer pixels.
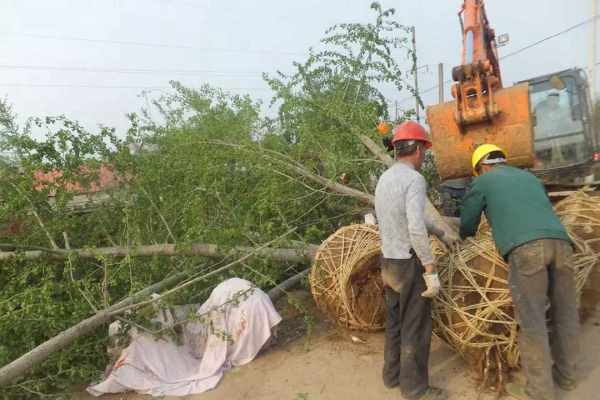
[{"x": 201, "y": 167}]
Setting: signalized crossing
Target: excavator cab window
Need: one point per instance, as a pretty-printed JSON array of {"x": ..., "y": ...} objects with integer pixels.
[{"x": 559, "y": 132}]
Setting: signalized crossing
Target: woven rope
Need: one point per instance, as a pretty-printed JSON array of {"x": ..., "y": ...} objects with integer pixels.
[
  {"x": 474, "y": 312},
  {"x": 345, "y": 279},
  {"x": 580, "y": 213}
]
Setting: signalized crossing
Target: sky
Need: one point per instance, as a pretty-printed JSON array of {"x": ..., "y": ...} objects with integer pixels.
[{"x": 91, "y": 59}]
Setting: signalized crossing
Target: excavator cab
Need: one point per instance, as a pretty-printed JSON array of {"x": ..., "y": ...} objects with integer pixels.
[
  {"x": 564, "y": 141},
  {"x": 566, "y": 147},
  {"x": 543, "y": 124}
]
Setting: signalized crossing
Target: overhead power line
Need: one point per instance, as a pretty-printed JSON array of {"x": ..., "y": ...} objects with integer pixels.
[
  {"x": 194, "y": 72},
  {"x": 151, "y": 44},
  {"x": 256, "y": 74},
  {"x": 522, "y": 49},
  {"x": 90, "y": 86}
]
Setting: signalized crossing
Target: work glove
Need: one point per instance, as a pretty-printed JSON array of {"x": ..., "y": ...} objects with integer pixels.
[{"x": 433, "y": 285}]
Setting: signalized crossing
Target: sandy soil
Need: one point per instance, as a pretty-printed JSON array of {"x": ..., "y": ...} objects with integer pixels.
[{"x": 331, "y": 366}]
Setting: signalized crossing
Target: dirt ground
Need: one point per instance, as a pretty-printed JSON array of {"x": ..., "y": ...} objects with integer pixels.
[{"x": 328, "y": 365}]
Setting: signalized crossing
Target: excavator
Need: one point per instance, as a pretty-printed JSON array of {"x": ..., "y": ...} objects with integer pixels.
[{"x": 543, "y": 123}]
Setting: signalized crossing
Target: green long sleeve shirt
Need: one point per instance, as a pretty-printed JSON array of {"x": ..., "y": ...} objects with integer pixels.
[{"x": 516, "y": 206}]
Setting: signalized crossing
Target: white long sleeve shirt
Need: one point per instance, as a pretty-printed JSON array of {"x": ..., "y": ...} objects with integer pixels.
[{"x": 400, "y": 198}]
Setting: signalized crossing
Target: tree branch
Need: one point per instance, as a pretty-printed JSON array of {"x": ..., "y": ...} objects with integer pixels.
[
  {"x": 26, "y": 362},
  {"x": 162, "y": 218},
  {"x": 297, "y": 255},
  {"x": 37, "y": 217},
  {"x": 300, "y": 170},
  {"x": 240, "y": 260},
  {"x": 23, "y": 364}
]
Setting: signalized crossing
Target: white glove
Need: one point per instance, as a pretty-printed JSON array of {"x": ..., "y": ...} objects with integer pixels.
[{"x": 433, "y": 285}]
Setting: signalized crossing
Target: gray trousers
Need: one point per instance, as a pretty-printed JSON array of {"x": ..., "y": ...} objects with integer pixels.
[
  {"x": 407, "y": 327},
  {"x": 542, "y": 270}
]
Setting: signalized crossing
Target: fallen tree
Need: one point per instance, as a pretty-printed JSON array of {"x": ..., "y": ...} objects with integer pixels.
[
  {"x": 187, "y": 194},
  {"x": 297, "y": 255},
  {"x": 431, "y": 213},
  {"x": 26, "y": 362}
]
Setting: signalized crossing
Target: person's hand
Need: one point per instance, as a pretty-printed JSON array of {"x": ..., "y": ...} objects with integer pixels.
[
  {"x": 433, "y": 285},
  {"x": 430, "y": 268},
  {"x": 451, "y": 241},
  {"x": 454, "y": 222}
]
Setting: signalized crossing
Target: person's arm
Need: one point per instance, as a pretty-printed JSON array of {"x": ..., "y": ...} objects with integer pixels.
[
  {"x": 415, "y": 214},
  {"x": 470, "y": 216},
  {"x": 431, "y": 227}
]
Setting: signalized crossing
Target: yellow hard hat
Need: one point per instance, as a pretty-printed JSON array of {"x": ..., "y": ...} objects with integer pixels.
[{"x": 480, "y": 152}]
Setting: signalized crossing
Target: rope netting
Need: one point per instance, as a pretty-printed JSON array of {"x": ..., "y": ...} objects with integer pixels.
[
  {"x": 474, "y": 311},
  {"x": 345, "y": 280}
]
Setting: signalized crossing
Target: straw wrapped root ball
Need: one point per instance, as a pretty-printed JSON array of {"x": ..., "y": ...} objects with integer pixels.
[
  {"x": 345, "y": 280},
  {"x": 473, "y": 312},
  {"x": 580, "y": 214}
]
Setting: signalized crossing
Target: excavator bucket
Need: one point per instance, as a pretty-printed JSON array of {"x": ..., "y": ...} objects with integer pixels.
[{"x": 511, "y": 130}]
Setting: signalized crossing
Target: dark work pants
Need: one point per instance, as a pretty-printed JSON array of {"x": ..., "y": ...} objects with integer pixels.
[
  {"x": 542, "y": 270},
  {"x": 407, "y": 327}
]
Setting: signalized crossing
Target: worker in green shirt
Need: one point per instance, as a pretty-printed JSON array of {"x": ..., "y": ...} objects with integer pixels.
[{"x": 533, "y": 241}]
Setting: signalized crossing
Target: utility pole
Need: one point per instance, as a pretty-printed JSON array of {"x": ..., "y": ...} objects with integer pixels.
[
  {"x": 592, "y": 54},
  {"x": 441, "y": 83},
  {"x": 415, "y": 72}
]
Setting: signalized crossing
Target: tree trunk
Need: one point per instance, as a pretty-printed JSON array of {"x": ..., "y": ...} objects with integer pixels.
[
  {"x": 289, "y": 283},
  {"x": 26, "y": 362},
  {"x": 333, "y": 186},
  {"x": 298, "y": 255},
  {"x": 23, "y": 364},
  {"x": 431, "y": 212}
]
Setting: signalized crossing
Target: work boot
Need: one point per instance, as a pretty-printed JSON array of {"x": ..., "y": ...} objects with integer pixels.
[
  {"x": 390, "y": 384},
  {"x": 565, "y": 384},
  {"x": 516, "y": 391},
  {"x": 433, "y": 393}
]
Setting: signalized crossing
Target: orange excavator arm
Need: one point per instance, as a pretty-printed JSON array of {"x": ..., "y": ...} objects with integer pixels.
[
  {"x": 479, "y": 39},
  {"x": 482, "y": 111},
  {"x": 478, "y": 78}
]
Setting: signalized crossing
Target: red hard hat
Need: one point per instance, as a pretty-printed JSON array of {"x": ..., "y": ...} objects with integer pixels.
[{"x": 411, "y": 130}]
